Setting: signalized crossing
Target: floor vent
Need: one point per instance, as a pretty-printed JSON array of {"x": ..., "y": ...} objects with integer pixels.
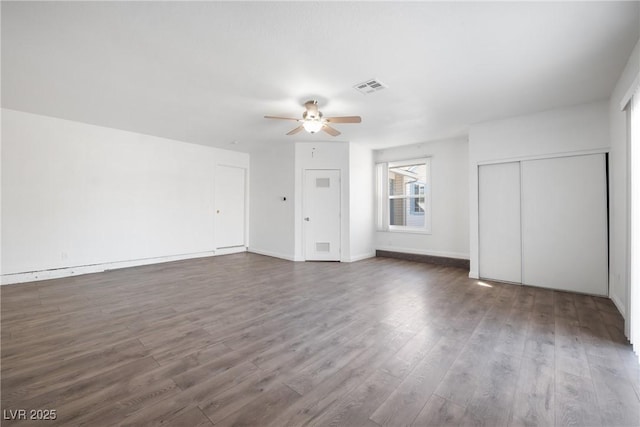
[
  {"x": 322, "y": 247},
  {"x": 370, "y": 86}
]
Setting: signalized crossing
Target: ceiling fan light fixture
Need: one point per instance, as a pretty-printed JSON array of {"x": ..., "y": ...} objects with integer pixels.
[
  {"x": 313, "y": 121},
  {"x": 312, "y": 126}
]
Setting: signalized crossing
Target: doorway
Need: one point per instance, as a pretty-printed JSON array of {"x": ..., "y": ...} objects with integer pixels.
[
  {"x": 321, "y": 214},
  {"x": 230, "y": 207}
]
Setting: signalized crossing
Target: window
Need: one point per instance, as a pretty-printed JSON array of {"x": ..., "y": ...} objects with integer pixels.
[
  {"x": 417, "y": 208},
  {"x": 404, "y": 202}
]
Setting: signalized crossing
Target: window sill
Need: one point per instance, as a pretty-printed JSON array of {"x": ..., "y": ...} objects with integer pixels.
[{"x": 406, "y": 231}]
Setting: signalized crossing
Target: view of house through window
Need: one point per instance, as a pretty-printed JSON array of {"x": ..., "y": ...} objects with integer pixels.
[{"x": 407, "y": 196}]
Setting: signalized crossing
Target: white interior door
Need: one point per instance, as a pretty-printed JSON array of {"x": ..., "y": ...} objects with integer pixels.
[
  {"x": 499, "y": 221},
  {"x": 564, "y": 223},
  {"x": 321, "y": 213},
  {"x": 230, "y": 207}
]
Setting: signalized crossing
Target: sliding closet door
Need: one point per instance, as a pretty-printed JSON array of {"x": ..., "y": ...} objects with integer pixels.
[
  {"x": 499, "y": 220},
  {"x": 564, "y": 223}
]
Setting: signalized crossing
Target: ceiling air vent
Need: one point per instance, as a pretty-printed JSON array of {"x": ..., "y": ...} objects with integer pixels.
[{"x": 370, "y": 86}]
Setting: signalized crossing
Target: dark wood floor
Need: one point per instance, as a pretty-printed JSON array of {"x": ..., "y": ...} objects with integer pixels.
[{"x": 250, "y": 340}]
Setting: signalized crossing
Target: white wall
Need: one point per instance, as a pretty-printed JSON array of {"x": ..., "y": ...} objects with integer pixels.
[
  {"x": 449, "y": 199},
  {"x": 322, "y": 155},
  {"x": 271, "y": 217},
  {"x": 277, "y": 172},
  {"x": 578, "y": 129},
  {"x": 76, "y": 195},
  {"x": 362, "y": 207},
  {"x": 619, "y": 186}
]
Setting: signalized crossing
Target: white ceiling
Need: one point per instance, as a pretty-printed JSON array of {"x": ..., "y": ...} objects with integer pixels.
[{"x": 207, "y": 72}]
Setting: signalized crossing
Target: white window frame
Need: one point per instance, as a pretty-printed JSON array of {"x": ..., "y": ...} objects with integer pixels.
[{"x": 383, "y": 197}]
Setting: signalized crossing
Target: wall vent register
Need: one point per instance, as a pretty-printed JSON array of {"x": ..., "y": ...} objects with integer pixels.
[
  {"x": 323, "y": 182},
  {"x": 322, "y": 247},
  {"x": 370, "y": 86}
]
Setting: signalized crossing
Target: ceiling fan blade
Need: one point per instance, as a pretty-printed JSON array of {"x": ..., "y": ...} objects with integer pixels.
[
  {"x": 345, "y": 119},
  {"x": 331, "y": 131},
  {"x": 281, "y": 118},
  {"x": 296, "y": 130}
]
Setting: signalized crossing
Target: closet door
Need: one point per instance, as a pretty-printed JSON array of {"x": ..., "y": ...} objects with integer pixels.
[
  {"x": 499, "y": 220},
  {"x": 564, "y": 224}
]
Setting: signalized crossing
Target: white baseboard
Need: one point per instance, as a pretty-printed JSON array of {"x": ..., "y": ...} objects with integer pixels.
[
  {"x": 619, "y": 305},
  {"x": 56, "y": 273},
  {"x": 474, "y": 275},
  {"x": 272, "y": 254},
  {"x": 445, "y": 254},
  {"x": 231, "y": 250},
  {"x": 361, "y": 257},
  {"x": 297, "y": 259}
]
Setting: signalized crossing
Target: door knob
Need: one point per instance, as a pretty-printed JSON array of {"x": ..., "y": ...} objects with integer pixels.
[{"x": 306, "y": 219}]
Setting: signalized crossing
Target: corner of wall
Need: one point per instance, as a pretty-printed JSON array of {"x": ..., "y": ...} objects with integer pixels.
[
  {"x": 619, "y": 203},
  {"x": 619, "y": 305}
]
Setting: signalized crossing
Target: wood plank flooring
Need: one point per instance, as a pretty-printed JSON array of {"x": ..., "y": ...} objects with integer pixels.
[{"x": 250, "y": 340}]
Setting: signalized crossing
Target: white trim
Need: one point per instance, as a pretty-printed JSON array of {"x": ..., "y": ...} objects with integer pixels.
[
  {"x": 508, "y": 282},
  {"x": 445, "y": 254},
  {"x": 231, "y": 250},
  {"x": 407, "y": 162},
  {"x": 474, "y": 275},
  {"x": 360, "y": 257},
  {"x": 57, "y": 273},
  {"x": 545, "y": 156},
  {"x": 634, "y": 230},
  {"x": 619, "y": 305},
  {"x": 627, "y": 260},
  {"x": 405, "y": 229},
  {"x": 629, "y": 93},
  {"x": 272, "y": 254}
]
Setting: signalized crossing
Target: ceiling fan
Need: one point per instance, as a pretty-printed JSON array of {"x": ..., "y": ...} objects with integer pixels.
[{"x": 312, "y": 120}]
